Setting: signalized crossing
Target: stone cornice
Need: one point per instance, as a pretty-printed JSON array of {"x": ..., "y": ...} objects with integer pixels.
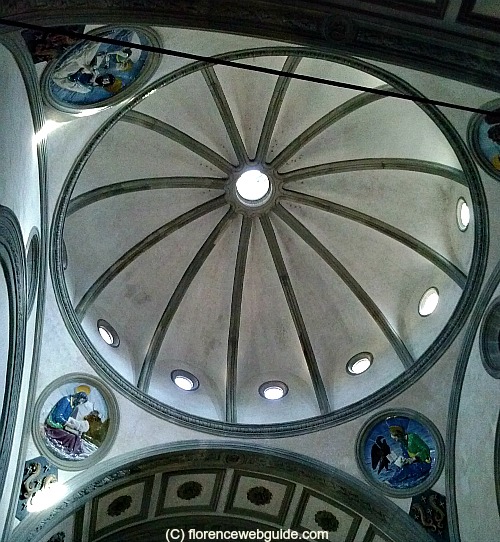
[{"x": 405, "y": 42}]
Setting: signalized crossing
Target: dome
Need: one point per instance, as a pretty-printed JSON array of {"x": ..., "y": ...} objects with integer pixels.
[{"x": 276, "y": 232}]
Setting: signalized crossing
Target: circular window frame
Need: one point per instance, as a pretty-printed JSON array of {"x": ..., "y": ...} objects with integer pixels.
[
  {"x": 184, "y": 374},
  {"x": 113, "y": 413},
  {"x": 460, "y": 203},
  {"x": 350, "y": 364},
  {"x": 273, "y": 384},
  {"x": 251, "y": 203},
  {"x": 104, "y": 324},
  {"x": 427, "y": 293}
]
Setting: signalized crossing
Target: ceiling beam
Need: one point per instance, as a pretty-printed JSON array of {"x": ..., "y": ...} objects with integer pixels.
[
  {"x": 367, "y": 302},
  {"x": 293, "y": 305},
  {"x": 176, "y": 299}
]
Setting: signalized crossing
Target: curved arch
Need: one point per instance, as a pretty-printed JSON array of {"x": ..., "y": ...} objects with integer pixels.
[
  {"x": 229, "y": 463},
  {"x": 12, "y": 260}
]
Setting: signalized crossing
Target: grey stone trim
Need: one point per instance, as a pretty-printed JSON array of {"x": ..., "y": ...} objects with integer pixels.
[
  {"x": 319, "y": 126},
  {"x": 467, "y": 16},
  {"x": 139, "y": 248},
  {"x": 33, "y": 264},
  {"x": 226, "y": 114},
  {"x": 336, "y": 485},
  {"x": 388, "y": 392},
  {"x": 316, "y": 23},
  {"x": 173, "y": 133},
  {"x": 496, "y": 460},
  {"x": 176, "y": 298},
  {"x": 440, "y": 452},
  {"x": 370, "y": 306},
  {"x": 16, "y": 46},
  {"x": 234, "y": 323},
  {"x": 394, "y": 233},
  {"x": 274, "y": 108},
  {"x": 13, "y": 263},
  {"x": 296, "y": 314},
  {"x": 114, "y": 422},
  {"x": 454, "y": 405},
  {"x": 138, "y": 185}
]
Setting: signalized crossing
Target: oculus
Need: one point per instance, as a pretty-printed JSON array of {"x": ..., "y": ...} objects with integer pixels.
[
  {"x": 273, "y": 390},
  {"x": 428, "y": 302},
  {"x": 184, "y": 380},
  {"x": 75, "y": 421},
  {"x": 463, "y": 214},
  {"x": 253, "y": 186},
  {"x": 359, "y": 363},
  {"x": 400, "y": 452},
  {"x": 108, "y": 333}
]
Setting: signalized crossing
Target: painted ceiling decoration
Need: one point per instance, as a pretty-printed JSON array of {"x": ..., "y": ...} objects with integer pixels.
[
  {"x": 91, "y": 75},
  {"x": 272, "y": 266},
  {"x": 484, "y": 138},
  {"x": 75, "y": 422},
  {"x": 401, "y": 452}
]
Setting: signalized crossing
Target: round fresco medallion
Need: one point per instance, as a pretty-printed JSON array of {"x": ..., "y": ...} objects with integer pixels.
[
  {"x": 484, "y": 138},
  {"x": 400, "y": 452},
  {"x": 75, "y": 421},
  {"x": 93, "y": 75}
]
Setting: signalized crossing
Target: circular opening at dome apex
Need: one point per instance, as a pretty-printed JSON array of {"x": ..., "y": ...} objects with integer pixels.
[
  {"x": 108, "y": 333},
  {"x": 273, "y": 390},
  {"x": 463, "y": 214},
  {"x": 184, "y": 380},
  {"x": 428, "y": 302},
  {"x": 359, "y": 363},
  {"x": 252, "y": 186}
]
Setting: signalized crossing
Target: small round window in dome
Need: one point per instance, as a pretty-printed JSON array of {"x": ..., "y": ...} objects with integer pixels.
[
  {"x": 273, "y": 390},
  {"x": 463, "y": 214},
  {"x": 252, "y": 186},
  {"x": 108, "y": 333},
  {"x": 184, "y": 380},
  {"x": 359, "y": 363},
  {"x": 428, "y": 302}
]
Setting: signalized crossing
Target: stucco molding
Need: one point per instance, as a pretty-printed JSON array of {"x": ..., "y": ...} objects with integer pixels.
[{"x": 391, "y": 390}]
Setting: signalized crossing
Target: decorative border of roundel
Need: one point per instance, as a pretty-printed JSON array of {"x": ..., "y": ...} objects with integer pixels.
[
  {"x": 473, "y": 134},
  {"x": 149, "y": 68},
  {"x": 435, "y": 471},
  {"x": 389, "y": 391},
  {"x": 13, "y": 263},
  {"x": 489, "y": 342},
  {"x": 33, "y": 249},
  {"x": 113, "y": 412}
]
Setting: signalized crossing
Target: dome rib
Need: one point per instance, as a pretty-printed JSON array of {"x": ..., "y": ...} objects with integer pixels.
[
  {"x": 176, "y": 299},
  {"x": 274, "y": 108},
  {"x": 385, "y": 326},
  {"x": 394, "y": 233},
  {"x": 138, "y": 185},
  {"x": 155, "y": 237},
  {"x": 167, "y": 130},
  {"x": 226, "y": 114},
  {"x": 235, "y": 318},
  {"x": 293, "y": 306},
  {"x": 325, "y": 122},
  {"x": 365, "y": 164}
]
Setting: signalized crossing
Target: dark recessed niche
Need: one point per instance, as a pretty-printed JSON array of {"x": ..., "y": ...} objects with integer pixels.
[
  {"x": 490, "y": 340},
  {"x": 33, "y": 266}
]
